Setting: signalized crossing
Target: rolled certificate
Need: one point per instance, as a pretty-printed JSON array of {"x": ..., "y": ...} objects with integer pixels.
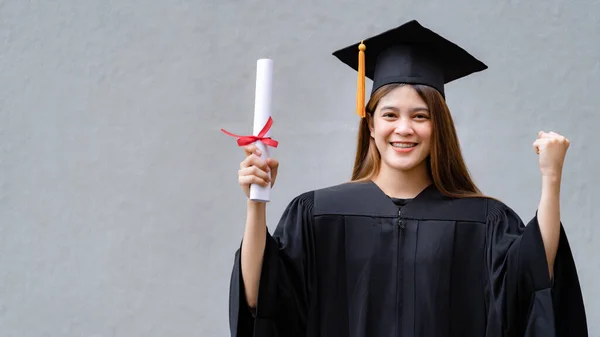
[{"x": 262, "y": 112}]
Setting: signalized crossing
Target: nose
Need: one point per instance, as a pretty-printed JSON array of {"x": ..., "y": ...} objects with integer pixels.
[{"x": 404, "y": 127}]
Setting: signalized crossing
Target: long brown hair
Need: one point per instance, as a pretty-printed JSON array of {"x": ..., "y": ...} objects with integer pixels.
[{"x": 445, "y": 163}]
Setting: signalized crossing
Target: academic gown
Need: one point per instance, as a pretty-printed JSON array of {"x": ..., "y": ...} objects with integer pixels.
[{"x": 348, "y": 260}]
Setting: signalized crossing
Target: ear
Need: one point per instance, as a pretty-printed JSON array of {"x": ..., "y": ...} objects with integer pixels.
[{"x": 370, "y": 123}]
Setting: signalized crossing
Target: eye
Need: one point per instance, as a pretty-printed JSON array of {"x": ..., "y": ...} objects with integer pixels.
[{"x": 421, "y": 116}]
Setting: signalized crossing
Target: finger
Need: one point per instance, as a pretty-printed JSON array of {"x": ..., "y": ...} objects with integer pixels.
[
  {"x": 254, "y": 160},
  {"x": 251, "y": 149},
  {"x": 537, "y": 145},
  {"x": 248, "y": 180},
  {"x": 254, "y": 171},
  {"x": 540, "y": 134},
  {"x": 560, "y": 137},
  {"x": 257, "y": 161}
]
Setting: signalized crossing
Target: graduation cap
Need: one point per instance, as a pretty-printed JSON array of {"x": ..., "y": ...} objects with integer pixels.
[{"x": 409, "y": 54}]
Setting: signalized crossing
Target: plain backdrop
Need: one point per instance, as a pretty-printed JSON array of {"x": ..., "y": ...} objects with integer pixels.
[{"x": 119, "y": 205}]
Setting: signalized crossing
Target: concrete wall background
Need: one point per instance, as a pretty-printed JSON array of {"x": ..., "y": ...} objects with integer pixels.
[{"x": 119, "y": 204}]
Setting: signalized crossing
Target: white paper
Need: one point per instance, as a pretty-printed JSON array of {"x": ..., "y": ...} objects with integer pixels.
[{"x": 262, "y": 112}]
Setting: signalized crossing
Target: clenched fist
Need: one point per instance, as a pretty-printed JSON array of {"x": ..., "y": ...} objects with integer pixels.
[
  {"x": 552, "y": 149},
  {"x": 254, "y": 170}
]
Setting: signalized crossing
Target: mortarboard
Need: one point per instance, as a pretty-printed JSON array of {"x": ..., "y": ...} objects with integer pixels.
[{"x": 409, "y": 54}]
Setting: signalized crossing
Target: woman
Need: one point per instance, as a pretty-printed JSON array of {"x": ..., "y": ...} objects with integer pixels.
[{"x": 409, "y": 247}]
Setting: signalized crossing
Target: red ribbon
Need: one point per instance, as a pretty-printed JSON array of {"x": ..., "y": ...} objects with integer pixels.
[{"x": 245, "y": 140}]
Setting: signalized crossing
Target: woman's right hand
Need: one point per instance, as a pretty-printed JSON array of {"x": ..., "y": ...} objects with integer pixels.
[{"x": 254, "y": 170}]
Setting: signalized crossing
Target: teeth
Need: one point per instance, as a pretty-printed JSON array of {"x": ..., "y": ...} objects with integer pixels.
[{"x": 404, "y": 145}]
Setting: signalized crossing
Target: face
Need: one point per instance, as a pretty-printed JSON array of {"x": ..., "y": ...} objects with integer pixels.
[{"x": 401, "y": 127}]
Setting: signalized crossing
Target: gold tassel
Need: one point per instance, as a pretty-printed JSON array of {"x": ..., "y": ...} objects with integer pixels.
[{"x": 360, "y": 90}]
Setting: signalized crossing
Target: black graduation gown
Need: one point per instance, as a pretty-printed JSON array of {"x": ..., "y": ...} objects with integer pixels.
[{"x": 348, "y": 261}]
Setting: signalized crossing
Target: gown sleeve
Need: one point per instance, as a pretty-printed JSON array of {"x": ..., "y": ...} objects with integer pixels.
[
  {"x": 523, "y": 300},
  {"x": 285, "y": 280}
]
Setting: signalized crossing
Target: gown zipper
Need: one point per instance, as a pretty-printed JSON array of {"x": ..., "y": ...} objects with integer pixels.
[{"x": 400, "y": 272}]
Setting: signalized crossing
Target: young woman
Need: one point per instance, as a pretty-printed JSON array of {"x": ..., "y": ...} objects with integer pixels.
[{"x": 409, "y": 247}]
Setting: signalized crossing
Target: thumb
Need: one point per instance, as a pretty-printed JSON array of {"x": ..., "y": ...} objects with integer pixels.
[{"x": 274, "y": 166}]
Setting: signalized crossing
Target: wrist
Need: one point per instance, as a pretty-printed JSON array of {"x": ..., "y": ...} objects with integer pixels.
[
  {"x": 256, "y": 205},
  {"x": 551, "y": 186}
]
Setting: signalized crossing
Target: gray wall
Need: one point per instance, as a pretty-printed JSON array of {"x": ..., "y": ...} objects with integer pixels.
[{"x": 119, "y": 204}]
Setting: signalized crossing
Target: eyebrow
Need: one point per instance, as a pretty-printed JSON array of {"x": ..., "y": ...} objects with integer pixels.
[{"x": 386, "y": 107}]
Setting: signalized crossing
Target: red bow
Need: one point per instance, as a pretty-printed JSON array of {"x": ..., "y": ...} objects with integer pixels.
[{"x": 245, "y": 140}]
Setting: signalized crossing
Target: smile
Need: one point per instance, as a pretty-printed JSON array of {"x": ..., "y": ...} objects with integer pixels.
[{"x": 403, "y": 145}]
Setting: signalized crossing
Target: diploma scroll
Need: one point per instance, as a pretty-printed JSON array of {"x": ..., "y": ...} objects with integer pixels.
[{"x": 262, "y": 113}]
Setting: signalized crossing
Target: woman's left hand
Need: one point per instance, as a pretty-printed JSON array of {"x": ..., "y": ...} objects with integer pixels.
[{"x": 552, "y": 149}]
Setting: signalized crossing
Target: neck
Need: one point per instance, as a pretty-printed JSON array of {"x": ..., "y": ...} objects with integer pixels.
[{"x": 402, "y": 184}]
